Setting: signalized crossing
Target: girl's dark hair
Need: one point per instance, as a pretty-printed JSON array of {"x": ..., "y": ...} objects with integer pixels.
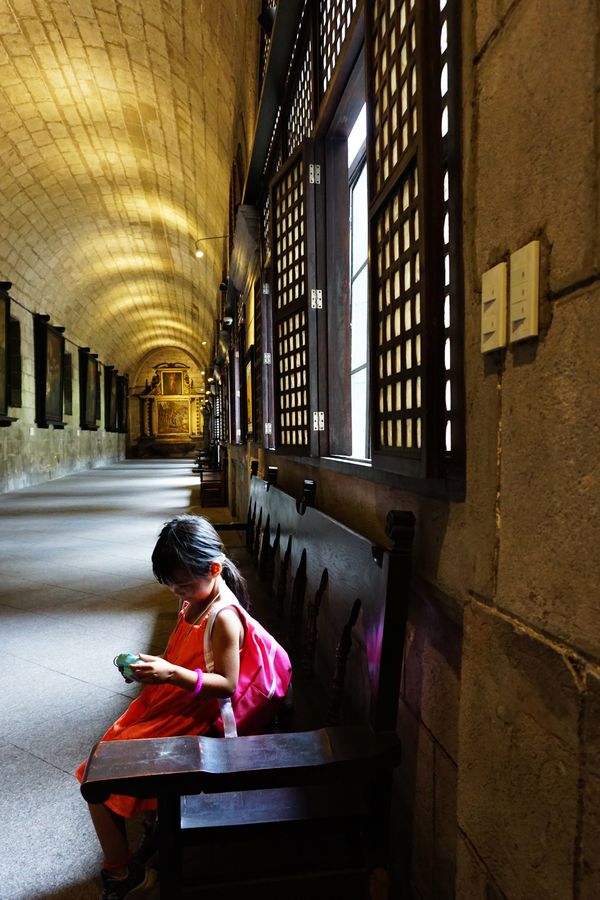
[{"x": 192, "y": 544}]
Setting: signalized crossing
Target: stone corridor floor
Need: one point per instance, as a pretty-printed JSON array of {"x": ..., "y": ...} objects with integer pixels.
[{"x": 76, "y": 588}]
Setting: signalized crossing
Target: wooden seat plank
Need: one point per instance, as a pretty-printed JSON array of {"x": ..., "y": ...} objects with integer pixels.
[{"x": 150, "y": 767}]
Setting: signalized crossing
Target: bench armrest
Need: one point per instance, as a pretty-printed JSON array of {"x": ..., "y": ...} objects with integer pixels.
[{"x": 193, "y": 765}]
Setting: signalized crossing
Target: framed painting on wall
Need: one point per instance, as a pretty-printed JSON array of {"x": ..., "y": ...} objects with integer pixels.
[
  {"x": 98, "y": 393},
  {"x": 173, "y": 417},
  {"x": 172, "y": 383},
  {"x": 122, "y": 402},
  {"x": 110, "y": 398},
  {"x": 88, "y": 388},
  {"x": 68, "y": 385},
  {"x": 49, "y": 352},
  {"x": 4, "y": 315},
  {"x": 54, "y": 374}
]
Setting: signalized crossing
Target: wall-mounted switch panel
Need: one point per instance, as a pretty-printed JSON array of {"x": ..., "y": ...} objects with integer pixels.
[
  {"x": 493, "y": 308},
  {"x": 524, "y": 292}
]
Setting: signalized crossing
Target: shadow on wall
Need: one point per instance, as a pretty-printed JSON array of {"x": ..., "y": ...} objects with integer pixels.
[{"x": 425, "y": 795}]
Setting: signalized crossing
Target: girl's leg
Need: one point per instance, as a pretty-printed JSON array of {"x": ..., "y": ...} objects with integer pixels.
[{"x": 112, "y": 835}]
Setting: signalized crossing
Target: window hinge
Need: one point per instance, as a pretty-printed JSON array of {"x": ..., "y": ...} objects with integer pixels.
[
  {"x": 266, "y": 288},
  {"x": 267, "y": 359},
  {"x": 316, "y": 298},
  {"x": 238, "y": 393},
  {"x": 314, "y": 173},
  {"x": 319, "y": 421},
  {"x": 268, "y": 428}
]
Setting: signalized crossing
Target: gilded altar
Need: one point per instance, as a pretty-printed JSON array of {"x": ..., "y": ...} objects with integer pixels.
[{"x": 171, "y": 409}]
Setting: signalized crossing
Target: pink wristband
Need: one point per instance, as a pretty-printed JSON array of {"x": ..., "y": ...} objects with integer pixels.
[{"x": 198, "y": 687}]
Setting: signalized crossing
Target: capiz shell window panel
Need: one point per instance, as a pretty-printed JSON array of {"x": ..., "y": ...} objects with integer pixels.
[
  {"x": 292, "y": 205},
  {"x": 335, "y": 18},
  {"x": 399, "y": 324},
  {"x": 411, "y": 293},
  {"x": 395, "y": 85}
]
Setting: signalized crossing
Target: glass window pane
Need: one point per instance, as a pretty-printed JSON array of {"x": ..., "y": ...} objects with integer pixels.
[
  {"x": 359, "y": 414},
  {"x": 359, "y": 324},
  {"x": 360, "y": 220},
  {"x": 358, "y": 135}
]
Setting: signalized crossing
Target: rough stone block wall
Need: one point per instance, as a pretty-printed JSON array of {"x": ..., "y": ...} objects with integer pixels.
[
  {"x": 527, "y": 797},
  {"x": 498, "y": 796}
]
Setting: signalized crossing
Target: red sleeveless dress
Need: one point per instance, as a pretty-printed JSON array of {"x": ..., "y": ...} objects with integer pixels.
[{"x": 164, "y": 710}]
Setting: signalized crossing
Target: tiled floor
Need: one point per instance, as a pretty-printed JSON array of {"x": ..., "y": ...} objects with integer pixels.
[{"x": 76, "y": 588}]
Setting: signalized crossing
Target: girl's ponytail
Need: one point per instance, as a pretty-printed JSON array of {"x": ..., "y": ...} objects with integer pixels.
[{"x": 235, "y": 581}]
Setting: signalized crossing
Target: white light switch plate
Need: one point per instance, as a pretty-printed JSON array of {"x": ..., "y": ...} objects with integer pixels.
[
  {"x": 493, "y": 308},
  {"x": 524, "y": 292}
]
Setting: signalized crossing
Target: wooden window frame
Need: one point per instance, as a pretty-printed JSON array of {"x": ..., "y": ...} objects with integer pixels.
[
  {"x": 428, "y": 466},
  {"x": 334, "y": 263},
  {"x": 301, "y": 305},
  {"x": 420, "y": 152}
]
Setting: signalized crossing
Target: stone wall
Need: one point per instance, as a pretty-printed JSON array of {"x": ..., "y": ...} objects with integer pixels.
[
  {"x": 498, "y": 795},
  {"x": 30, "y": 455},
  {"x": 528, "y": 797}
]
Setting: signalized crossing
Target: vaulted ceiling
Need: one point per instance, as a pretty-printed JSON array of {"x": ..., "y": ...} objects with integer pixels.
[{"x": 118, "y": 120}]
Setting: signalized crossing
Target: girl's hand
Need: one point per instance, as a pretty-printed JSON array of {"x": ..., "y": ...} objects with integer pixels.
[
  {"x": 227, "y": 639},
  {"x": 153, "y": 669}
]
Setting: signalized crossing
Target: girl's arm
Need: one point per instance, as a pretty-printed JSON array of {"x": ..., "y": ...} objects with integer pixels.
[{"x": 226, "y": 642}]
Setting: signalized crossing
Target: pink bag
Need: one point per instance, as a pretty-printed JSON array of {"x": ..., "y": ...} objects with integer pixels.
[{"x": 265, "y": 675}]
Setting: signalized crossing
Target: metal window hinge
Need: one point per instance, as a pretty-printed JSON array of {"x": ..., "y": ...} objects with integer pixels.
[
  {"x": 319, "y": 421},
  {"x": 266, "y": 288},
  {"x": 316, "y": 298},
  {"x": 267, "y": 359},
  {"x": 268, "y": 428},
  {"x": 314, "y": 173},
  {"x": 238, "y": 393}
]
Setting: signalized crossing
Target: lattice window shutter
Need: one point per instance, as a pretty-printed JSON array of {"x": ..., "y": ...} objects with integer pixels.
[
  {"x": 405, "y": 174},
  {"x": 335, "y": 18},
  {"x": 294, "y": 322}
]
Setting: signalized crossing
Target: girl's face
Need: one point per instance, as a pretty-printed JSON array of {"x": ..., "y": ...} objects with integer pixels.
[{"x": 194, "y": 588}]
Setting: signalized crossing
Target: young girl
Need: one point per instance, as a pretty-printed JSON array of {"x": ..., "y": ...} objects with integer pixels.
[{"x": 180, "y": 696}]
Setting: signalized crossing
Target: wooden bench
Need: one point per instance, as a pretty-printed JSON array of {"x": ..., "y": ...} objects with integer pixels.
[
  {"x": 302, "y": 810},
  {"x": 213, "y": 483}
]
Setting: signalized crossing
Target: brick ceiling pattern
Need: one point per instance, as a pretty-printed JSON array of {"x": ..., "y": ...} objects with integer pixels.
[{"x": 117, "y": 120}]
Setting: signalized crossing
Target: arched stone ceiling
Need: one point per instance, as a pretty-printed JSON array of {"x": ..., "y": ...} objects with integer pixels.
[{"x": 117, "y": 120}]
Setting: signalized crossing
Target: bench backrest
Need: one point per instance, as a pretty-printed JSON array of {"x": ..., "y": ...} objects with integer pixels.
[{"x": 342, "y": 602}]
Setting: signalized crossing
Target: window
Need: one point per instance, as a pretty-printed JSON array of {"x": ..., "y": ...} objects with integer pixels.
[
  {"x": 346, "y": 252},
  {"x": 359, "y": 306},
  {"x": 415, "y": 418},
  {"x": 361, "y": 237},
  {"x": 291, "y": 195}
]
